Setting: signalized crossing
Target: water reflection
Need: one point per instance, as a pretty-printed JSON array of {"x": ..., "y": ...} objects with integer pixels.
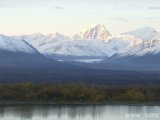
[{"x": 105, "y": 112}]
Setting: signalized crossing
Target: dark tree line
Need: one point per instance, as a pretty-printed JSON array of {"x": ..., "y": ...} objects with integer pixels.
[{"x": 77, "y": 93}]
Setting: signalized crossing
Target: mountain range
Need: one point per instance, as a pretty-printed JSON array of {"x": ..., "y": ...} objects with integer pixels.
[
  {"x": 94, "y": 42},
  {"x": 94, "y": 53}
]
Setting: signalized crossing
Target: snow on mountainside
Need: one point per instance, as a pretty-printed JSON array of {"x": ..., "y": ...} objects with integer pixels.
[
  {"x": 146, "y": 33},
  {"x": 151, "y": 47},
  {"x": 57, "y": 44},
  {"x": 95, "y": 32},
  {"x": 67, "y": 47},
  {"x": 42, "y": 42},
  {"x": 80, "y": 48},
  {"x": 93, "y": 47},
  {"x": 16, "y": 53},
  {"x": 95, "y": 41},
  {"x": 121, "y": 43},
  {"x": 13, "y": 45}
]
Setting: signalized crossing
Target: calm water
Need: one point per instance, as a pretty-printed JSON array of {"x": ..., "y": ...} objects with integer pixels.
[{"x": 106, "y": 112}]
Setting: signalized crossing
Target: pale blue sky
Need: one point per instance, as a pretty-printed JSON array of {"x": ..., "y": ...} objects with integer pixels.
[{"x": 70, "y": 16}]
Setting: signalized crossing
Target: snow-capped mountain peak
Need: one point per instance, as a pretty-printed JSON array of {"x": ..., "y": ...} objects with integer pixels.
[
  {"x": 97, "y": 31},
  {"x": 145, "y": 33}
]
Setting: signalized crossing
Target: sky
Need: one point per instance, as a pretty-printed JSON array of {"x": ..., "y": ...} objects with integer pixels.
[{"x": 71, "y": 16}]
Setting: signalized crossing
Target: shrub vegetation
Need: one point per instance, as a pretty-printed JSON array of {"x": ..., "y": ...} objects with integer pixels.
[{"x": 77, "y": 93}]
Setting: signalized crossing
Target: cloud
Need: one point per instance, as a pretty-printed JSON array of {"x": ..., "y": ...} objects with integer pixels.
[
  {"x": 59, "y": 7},
  {"x": 119, "y": 19},
  {"x": 96, "y": 12},
  {"x": 153, "y": 18},
  {"x": 154, "y": 8}
]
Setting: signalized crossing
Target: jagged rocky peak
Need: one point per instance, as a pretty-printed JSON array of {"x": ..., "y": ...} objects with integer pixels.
[{"x": 97, "y": 31}]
